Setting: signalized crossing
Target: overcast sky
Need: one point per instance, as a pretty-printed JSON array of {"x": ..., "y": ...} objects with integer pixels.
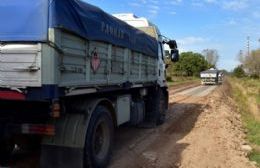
[{"x": 199, "y": 24}]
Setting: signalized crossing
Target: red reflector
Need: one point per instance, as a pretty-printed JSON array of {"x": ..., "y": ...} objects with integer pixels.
[
  {"x": 11, "y": 95},
  {"x": 38, "y": 129},
  {"x": 55, "y": 110}
]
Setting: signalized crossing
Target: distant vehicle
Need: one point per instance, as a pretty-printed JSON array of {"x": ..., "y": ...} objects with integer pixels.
[
  {"x": 220, "y": 77},
  {"x": 211, "y": 77},
  {"x": 69, "y": 74}
]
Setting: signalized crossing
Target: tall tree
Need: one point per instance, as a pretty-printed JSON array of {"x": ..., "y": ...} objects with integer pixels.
[
  {"x": 251, "y": 62},
  {"x": 212, "y": 56},
  {"x": 239, "y": 72},
  {"x": 189, "y": 64}
]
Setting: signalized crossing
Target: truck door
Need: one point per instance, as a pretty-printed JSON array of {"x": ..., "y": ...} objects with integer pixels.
[{"x": 161, "y": 64}]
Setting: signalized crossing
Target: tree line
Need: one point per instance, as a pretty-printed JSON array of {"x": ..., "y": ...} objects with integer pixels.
[
  {"x": 249, "y": 65},
  {"x": 192, "y": 63}
]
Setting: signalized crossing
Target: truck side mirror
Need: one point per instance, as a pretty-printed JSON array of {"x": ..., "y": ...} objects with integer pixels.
[
  {"x": 175, "y": 55},
  {"x": 172, "y": 44}
]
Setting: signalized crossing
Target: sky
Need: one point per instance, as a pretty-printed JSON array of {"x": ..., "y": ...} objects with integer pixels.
[{"x": 223, "y": 25}]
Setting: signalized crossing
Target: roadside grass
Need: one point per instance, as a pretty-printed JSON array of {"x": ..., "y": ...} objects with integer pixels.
[
  {"x": 182, "y": 80},
  {"x": 258, "y": 99},
  {"x": 255, "y": 156},
  {"x": 253, "y": 129},
  {"x": 242, "y": 96}
]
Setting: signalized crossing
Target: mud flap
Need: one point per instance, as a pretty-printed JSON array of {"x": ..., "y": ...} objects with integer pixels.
[
  {"x": 58, "y": 156},
  {"x": 66, "y": 148},
  {"x": 154, "y": 117}
]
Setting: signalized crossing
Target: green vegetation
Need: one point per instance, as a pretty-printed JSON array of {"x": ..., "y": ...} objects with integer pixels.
[
  {"x": 255, "y": 156},
  {"x": 239, "y": 72},
  {"x": 251, "y": 63},
  {"x": 246, "y": 93},
  {"x": 189, "y": 64},
  {"x": 258, "y": 99}
]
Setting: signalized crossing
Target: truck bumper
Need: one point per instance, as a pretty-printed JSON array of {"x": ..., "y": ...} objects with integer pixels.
[
  {"x": 20, "y": 110},
  {"x": 24, "y": 117}
]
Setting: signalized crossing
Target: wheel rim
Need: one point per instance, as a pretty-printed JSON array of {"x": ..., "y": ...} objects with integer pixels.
[{"x": 101, "y": 139}]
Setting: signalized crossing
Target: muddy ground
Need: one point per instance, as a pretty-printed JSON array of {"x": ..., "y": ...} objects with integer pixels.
[{"x": 202, "y": 130}]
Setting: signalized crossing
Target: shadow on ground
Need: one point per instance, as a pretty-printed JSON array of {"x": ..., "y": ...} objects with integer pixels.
[
  {"x": 157, "y": 147},
  {"x": 140, "y": 147}
]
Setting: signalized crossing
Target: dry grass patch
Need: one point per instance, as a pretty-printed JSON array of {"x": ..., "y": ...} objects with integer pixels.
[{"x": 246, "y": 93}]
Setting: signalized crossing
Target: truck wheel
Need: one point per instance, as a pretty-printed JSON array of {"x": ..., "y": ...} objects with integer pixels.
[
  {"x": 6, "y": 150},
  {"x": 156, "y": 106},
  {"x": 161, "y": 108},
  {"x": 99, "y": 140}
]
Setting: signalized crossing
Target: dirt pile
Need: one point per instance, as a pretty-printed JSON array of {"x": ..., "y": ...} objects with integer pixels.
[
  {"x": 200, "y": 132},
  {"x": 218, "y": 138}
]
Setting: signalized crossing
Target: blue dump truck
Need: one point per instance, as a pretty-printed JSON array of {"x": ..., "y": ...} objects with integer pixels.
[{"x": 69, "y": 75}]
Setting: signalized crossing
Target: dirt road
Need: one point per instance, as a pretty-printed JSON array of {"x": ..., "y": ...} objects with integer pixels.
[{"x": 202, "y": 130}]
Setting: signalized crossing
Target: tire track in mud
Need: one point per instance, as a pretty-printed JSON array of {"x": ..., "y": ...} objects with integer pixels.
[{"x": 148, "y": 148}]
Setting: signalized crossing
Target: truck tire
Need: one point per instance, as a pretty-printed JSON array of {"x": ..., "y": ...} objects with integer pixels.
[
  {"x": 6, "y": 150},
  {"x": 161, "y": 108},
  {"x": 156, "y": 106},
  {"x": 99, "y": 140}
]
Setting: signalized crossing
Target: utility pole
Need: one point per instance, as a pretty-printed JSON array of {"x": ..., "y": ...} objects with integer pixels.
[
  {"x": 240, "y": 53},
  {"x": 248, "y": 46}
]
